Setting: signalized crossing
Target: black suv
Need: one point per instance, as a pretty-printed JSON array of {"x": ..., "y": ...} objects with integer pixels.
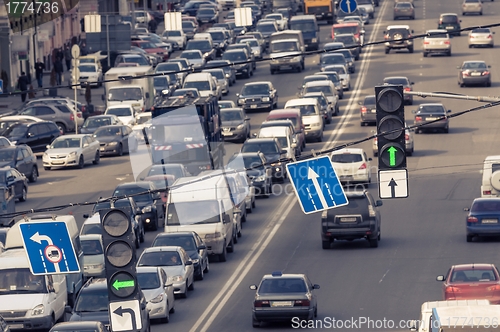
[
  {"x": 259, "y": 171},
  {"x": 240, "y": 60},
  {"x": 450, "y": 22},
  {"x": 37, "y": 135},
  {"x": 360, "y": 219},
  {"x": 273, "y": 152},
  {"x": 21, "y": 158},
  {"x": 258, "y": 95},
  {"x": 150, "y": 203},
  {"x": 92, "y": 304},
  {"x": 244, "y": 46},
  {"x": 395, "y": 38}
]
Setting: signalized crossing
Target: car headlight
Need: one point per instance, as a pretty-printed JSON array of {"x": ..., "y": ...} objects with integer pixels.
[
  {"x": 175, "y": 278},
  {"x": 13, "y": 142},
  {"x": 206, "y": 55},
  {"x": 45, "y": 155},
  {"x": 227, "y": 75},
  {"x": 260, "y": 178},
  {"x": 241, "y": 101},
  {"x": 38, "y": 310},
  {"x": 213, "y": 236},
  {"x": 266, "y": 99},
  {"x": 241, "y": 126},
  {"x": 146, "y": 209},
  {"x": 96, "y": 266},
  {"x": 316, "y": 124},
  {"x": 112, "y": 143},
  {"x": 350, "y": 63},
  {"x": 157, "y": 299},
  {"x": 297, "y": 58},
  {"x": 195, "y": 261},
  {"x": 72, "y": 154},
  {"x": 276, "y": 164},
  {"x": 314, "y": 40}
]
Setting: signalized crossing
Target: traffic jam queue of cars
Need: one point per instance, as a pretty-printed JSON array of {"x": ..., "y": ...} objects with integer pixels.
[{"x": 201, "y": 222}]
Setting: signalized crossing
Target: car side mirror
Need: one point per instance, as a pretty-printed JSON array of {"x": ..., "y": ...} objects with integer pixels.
[
  {"x": 412, "y": 31},
  {"x": 440, "y": 278},
  {"x": 458, "y": 67},
  {"x": 253, "y": 287},
  {"x": 254, "y": 135},
  {"x": 202, "y": 247},
  {"x": 284, "y": 151},
  {"x": 189, "y": 263},
  {"x": 379, "y": 203},
  {"x": 30, "y": 135},
  {"x": 237, "y": 95},
  {"x": 360, "y": 103},
  {"x": 227, "y": 219},
  {"x": 247, "y": 119},
  {"x": 489, "y": 66},
  {"x": 412, "y": 83},
  {"x": 315, "y": 286},
  {"x": 369, "y": 159},
  {"x": 47, "y": 146},
  {"x": 466, "y": 209},
  {"x": 85, "y": 216},
  {"x": 414, "y": 111},
  {"x": 449, "y": 111},
  {"x": 168, "y": 284},
  {"x": 341, "y": 79},
  {"x": 85, "y": 145}
]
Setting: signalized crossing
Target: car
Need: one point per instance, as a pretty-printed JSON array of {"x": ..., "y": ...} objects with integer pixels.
[
  {"x": 333, "y": 76},
  {"x": 472, "y": 7},
  {"x": 194, "y": 246},
  {"x": 409, "y": 142},
  {"x": 258, "y": 95},
  {"x": 20, "y": 158},
  {"x": 116, "y": 140},
  {"x": 354, "y": 19},
  {"x": 404, "y": 9},
  {"x": 194, "y": 57},
  {"x": 220, "y": 76},
  {"x": 490, "y": 185},
  {"x": 258, "y": 170},
  {"x": 93, "y": 255},
  {"x": 250, "y": 57},
  {"x": 368, "y": 110},
  {"x": 147, "y": 199},
  {"x": 235, "y": 124},
  {"x": 87, "y": 326},
  {"x": 72, "y": 150},
  {"x": 254, "y": 45},
  {"x": 36, "y": 135},
  {"x": 207, "y": 15},
  {"x": 349, "y": 58},
  {"x": 60, "y": 114},
  {"x": 91, "y": 74},
  {"x": 289, "y": 124},
  {"x": 352, "y": 166},
  {"x": 240, "y": 61},
  {"x": 359, "y": 219},
  {"x": 189, "y": 29},
  {"x": 327, "y": 108},
  {"x": 92, "y": 123},
  {"x": 329, "y": 91},
  {"x": 163, "y": 87},
  {"x": 273, "y": 152},
  {"x": 92, "y": 304},
  {"x": 474, "y": 72},
  {"x": 431, "y": 112},
  {"x": 158, "y": 291},
  {"x": 57, "y": 100},
  {"x": 331, "y": 59},
  {"x": 368, "y": 5},
  {"x": 229, "y": 71},
  {"x": 310, "y": 113},
  {"x": 172, "y": 67},
  {"x": 398, "y": 37},
  {"x": 405, "y": 82},
  {"x": 350, "y": 41},
  {"x": 226, "y": 104},
  {"x": 332, "y": 46},
  {"x": 343, "y": 73},
  {"x": 175, "y": 262},
  {"x": 280, "y": 19},
  {"x": 436, "y": 41},
  {"x": 15, "y": 181},
  {"x": 481, "y": 37},
  {"x": 178, "y": 35},
  {"x": 285, "y": 137},
  {"x": 267, "y": 29},
  {"x": 186, "y": 93},
  {"x": 203, "y": 44},
  {"x": 482, "y": 218},
  {"x": 450, "y": 22},
  {"x": 283, "y": 297},
  {"x": 471, "y": 282}
]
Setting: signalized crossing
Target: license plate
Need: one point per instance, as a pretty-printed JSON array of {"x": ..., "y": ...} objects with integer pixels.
[
  {"x": 16, "y": 326},
  {"x": 227, "y": 133},
  {"x": 281, "y": 304},
  {"x": 490, "y": 221},
  {"x": 347, "y": 219},
  {"x": 374, "y": 110},
  {"x": 449, "y": 28},
  {"x": 475, "y": 74},
  {"x": 101, "y": 149},
  {"x": 431, "y": 118},
  {"x": 57, "y": 162},
  {"x": 253, "y": 106}
]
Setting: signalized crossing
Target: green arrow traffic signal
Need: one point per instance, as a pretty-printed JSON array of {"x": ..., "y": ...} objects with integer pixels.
[
  {"x": 392, "y": 156},
  {"x": 123, "y": 284}
]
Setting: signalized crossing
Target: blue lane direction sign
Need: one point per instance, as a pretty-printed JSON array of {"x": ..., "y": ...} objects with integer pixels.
[
  {"x": 49, "y": 248},
  {"x": 316, "y": 184},
  {"x": 348, "y": 6}
]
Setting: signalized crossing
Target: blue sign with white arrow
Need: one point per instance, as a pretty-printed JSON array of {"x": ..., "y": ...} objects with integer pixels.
[
  {"x": 49, "y": 248},
  {"x": 348, "y": 6},
  {"x": 316, "y": 184}
]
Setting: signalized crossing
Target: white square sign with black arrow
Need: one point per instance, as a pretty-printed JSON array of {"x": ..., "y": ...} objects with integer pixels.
[
  {"x": 393, "y": 184},
  {"x": 125, "y": 316}
]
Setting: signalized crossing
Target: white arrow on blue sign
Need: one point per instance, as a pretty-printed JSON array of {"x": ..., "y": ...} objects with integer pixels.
[
  {"x": 316, "y": 184},
  {"x": 348, "y": 6},
  {"x": 49, "y": 248}
]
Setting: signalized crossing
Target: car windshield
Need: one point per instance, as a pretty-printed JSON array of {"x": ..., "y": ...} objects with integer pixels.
[
  {"x": 109, "y": 131},
  {"x": 134, "y": 191},
  {"x": 185, "y": 25},
  {"x": 334, "y": 77},
  {"x": 160, "y": 81},
  {"x": 143, "y": 119},
  {"x": 265, "y": 148},
  {"x": 91, "y": 229},
  {"x": 343, "y": 30},
  {"x": 283, "y": 141},
  {"x": 226, "y": 104},
  {"x": 65, "y": 143},
  {"x": 92, "y": 301},
  {"x": 186, "y": 92},
  {"x": 217, "y": 35},
  {"x": 312, "y": 79},
  {"x": 282, "y": 285},
  {"x": 122, "y": 111},
  {"x": 339, "y": 70},
  {"x": 282, "y": 46},
  {"x": 255, "y": 89},
  {"x": 486, "y": 206},
  {"x": 473, "y": 275},
  {"x": 120, "y": 94},
  {"x": 96, "y": 122},
  {"x": 347, "y": 40},
  {"x": 234, "y": 56},
  {"x": 16, "y": 130},
  {"x": 431, "y": 109},
  {"x": 206, "y": 11},
  {"x": 166, "y": 170},
  {"x": 201, "y": 44},
  {"x": 200, "y": 85},
  {"x": 191, "y": 55},
  {"x": 253, "y": 162},
  {"x": 21, "y": 281},
  {"x": 136, "y": 59},
  {"x": 174, "y": 33},
  {"x": 7, "y": 155},
  {"x": 231, "y": 116},
  {"x": 87, "y": 69},
  {"x": 303, "y": 26},
  {"x": 184, "y": 241},
  {"x": 148, "y": 280},
  {"x": 218, "y": 74},
  {"x": 305, "y": 110},
  {"x": 266, "y": 28},
  {"x": 333, "y": 59},
  {"x": 194, "y": 212},
  {"x": 346, "y": 158},
  {"x": 91, "y": 247},
  {"x": 160, "y": 258},
  {"x": 322, "y": 88},
  {"x": 251, "y": 42},
  {"x": 474, "y": 65}
]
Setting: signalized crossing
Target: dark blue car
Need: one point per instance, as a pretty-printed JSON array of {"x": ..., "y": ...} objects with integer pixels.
[{"x": 483, "y": 218}]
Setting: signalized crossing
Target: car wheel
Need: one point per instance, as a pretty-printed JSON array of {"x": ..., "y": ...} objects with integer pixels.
[
  {"x": 255, "y": 323},
  {"x": 373, "y": 243},
  {"x": 231, "y": 246},
  {"x": 61, "y": 127},
  {"x": 81, "y": 162},
  {"x": 166, "y": 319},
  {"x": 120, "y": 150},
  {"x": 387, "y": 50},
  {"x": 461, "y": 85},
  {"x": 46, "y": 168},
  {"x": 207, "y": 266},
  {"x": 235, "y": 236},
  {"x": 326, "y": 244},
  {"x": 223, "y": 255},
  {"x": 320, "y": 139},
  {"x": 24, "y": 195},
  {"x": 97, "y": 158},
  {"x": 185, "y": 294},
  {"x": 409, "y": 153},
  {"x": 469, "y": 238},
  {"x": 488, "y": 84},
  {"x": 470, "y": 46},
  {"x": 201, "y": 276},
  {"x": 34, "y": 174},
  {"x": 448, "y": 53},
  {"x": 446, "y": 130},
  {"x": 137, "y": 242},
  {"x": 253, "y": 204},
  {"x": 191, "y": 287},
  {"x": 272, "y": 72},
  {"x": 425, "y": 54},
  {"x": 410, "y": 49}
]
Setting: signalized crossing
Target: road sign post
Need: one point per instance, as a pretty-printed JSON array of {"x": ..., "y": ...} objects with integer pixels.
[
  {"x": 49, "y": 248},
  {"x": 316, "y": 184},
  {"x": 75, "y": 54}
]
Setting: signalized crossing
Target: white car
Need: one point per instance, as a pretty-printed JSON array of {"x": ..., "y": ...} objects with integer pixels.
[
  {"x": 281, "y": 21},
  {"x": 125, "y": 113},
  {"x": 158, "y": 291},
  {"x": 176, "y": 35},
  {"x": 90, "y": 73},
  {"x": 254, "y": 45},
  {"x": 284, "y": 136},
  {"x": 481, "y": 37},
  {"x": 93, "y": 256},
  {"x": 343, "y": 73},
  {"x": 368, "y": 6},
  {"x": 358, "y": 19},
  {"x": 352, "y": 166},
  {"x": 72, "y": 150},
  {"x": 436, "y": 41},
  {"x": 220, "y": 76},
  {"x": 176, "y": 264},
  {"x": 194, "y": 57},
  {"x": 142, "y": 120}
]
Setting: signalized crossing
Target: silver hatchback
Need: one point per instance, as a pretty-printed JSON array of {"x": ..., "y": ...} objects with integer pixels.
[{"x": 472, "y": 7}]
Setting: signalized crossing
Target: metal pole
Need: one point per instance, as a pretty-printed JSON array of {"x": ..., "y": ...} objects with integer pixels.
[
  {"x": 133, "y": 15},
  {"x": 483, "y": 99},
  {"x": 75, "y": 88},
  {"x": 107, "y": 41},
  {"x": 35, "y": 35}
]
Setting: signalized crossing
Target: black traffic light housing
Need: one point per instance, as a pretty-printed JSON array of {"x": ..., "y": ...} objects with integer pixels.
[
  {"x": 119, "y": 254},
  {"x": 390, "y": 120}
]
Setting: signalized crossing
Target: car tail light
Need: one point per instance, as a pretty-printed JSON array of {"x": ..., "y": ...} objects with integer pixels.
[
  {"x": 426, "y": 42},
  {"x": 72, "y": 117},
  {"x": 407, "y": 137},
  {"x": 485, "y": 73},
  {"x": 465, "y": 73},
  {"x": 363, "y": 166},
  {"x": 490, "y": 36},
  {"x": 486, "y": 192},
  {"x": 418, "y": 118},
  {"x": 407, "y": 89},
  {"x": 260, "y": 304},
  {"x": 386, "y": 36},
  {"x": 78, "y": 115},
  {"x": 471, "y": 219},
  {"x": 302, "y": 303},
  {"x": 371, "y": 211},
  {"x": 328, "y": 234},
  {"x": 447, "y": 42},
  {"x": 364, "y": 109},
  {"x": 493, "y": 288},
  {"x": 83, "y": 108},
  {"x": 451, "y": 289}
]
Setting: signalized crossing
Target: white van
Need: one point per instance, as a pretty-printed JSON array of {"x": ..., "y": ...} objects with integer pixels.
[
  {"x": 74, "y": 281},
  {"x": 490, "y": 185},
  {"x": 284, "y": 136},
  {"x": 206, "y": 208},
  {"x": 203, "y": 35},
  {"x": 475, "y": 318},
  {"x": 204, "y": 82},
  {"x": 311, "y": 116},
  {"x": 422, "y": 325}
]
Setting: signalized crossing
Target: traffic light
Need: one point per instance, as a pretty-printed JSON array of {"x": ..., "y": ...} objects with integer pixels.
[
  {"x": 120, "y": 254},
  {"x": 390, "y": 120}
]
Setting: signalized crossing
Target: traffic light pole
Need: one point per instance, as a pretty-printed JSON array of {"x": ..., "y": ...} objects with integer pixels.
[{"x": 483, "y": 99}]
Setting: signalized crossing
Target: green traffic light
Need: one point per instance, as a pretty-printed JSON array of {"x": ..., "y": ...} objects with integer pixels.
[
  {"x": 123, "y": 284},
  {"x": 392, "y": 156}
]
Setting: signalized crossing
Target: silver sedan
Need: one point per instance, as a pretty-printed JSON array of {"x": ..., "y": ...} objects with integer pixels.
[{"x": 481, "y": 37}]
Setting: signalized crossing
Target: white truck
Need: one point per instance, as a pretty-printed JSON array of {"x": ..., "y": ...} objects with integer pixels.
[
  {"x": 286, "y": 50},
  {"x": 477, "y": 318},
  {"x": 129, "y": 85}
]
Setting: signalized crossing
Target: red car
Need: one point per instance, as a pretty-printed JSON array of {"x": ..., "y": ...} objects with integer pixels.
[
  {"x": 472, "y": 282},
  {"x": 151, "y": 48}
]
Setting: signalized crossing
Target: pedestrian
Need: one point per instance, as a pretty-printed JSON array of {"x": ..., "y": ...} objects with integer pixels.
[
  {"x": 22, "y": 84},
  {"x": 152, "y": 25},
  {"x": 60, "y": 53},
  {"x": 59, "y": 69},
  {"x": 68, "y": 57},
  {"x": 39, "y": 68},
  {"x": 31, "y": 92},
  {"x": 83, "y": 49}
]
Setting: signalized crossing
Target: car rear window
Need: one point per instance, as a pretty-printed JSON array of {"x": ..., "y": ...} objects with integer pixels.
[
  {"x": 481, "y": 30},
  {"x": 347, "y": 158},
  {"x": 437, "y": 35},
  {"x": 449, "y": 19},
  {"x": 282, "y": 285},
  {"x": 431, "y": 109},
  {"x": 369, "y": 100},
  {"x": 294, "y": 120},
  {"x": 403, "y": 5},
  {"x": 486, "y": 206},
  {"x": 396, "y": 81},
  {"x": 473, "y": 275}
]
